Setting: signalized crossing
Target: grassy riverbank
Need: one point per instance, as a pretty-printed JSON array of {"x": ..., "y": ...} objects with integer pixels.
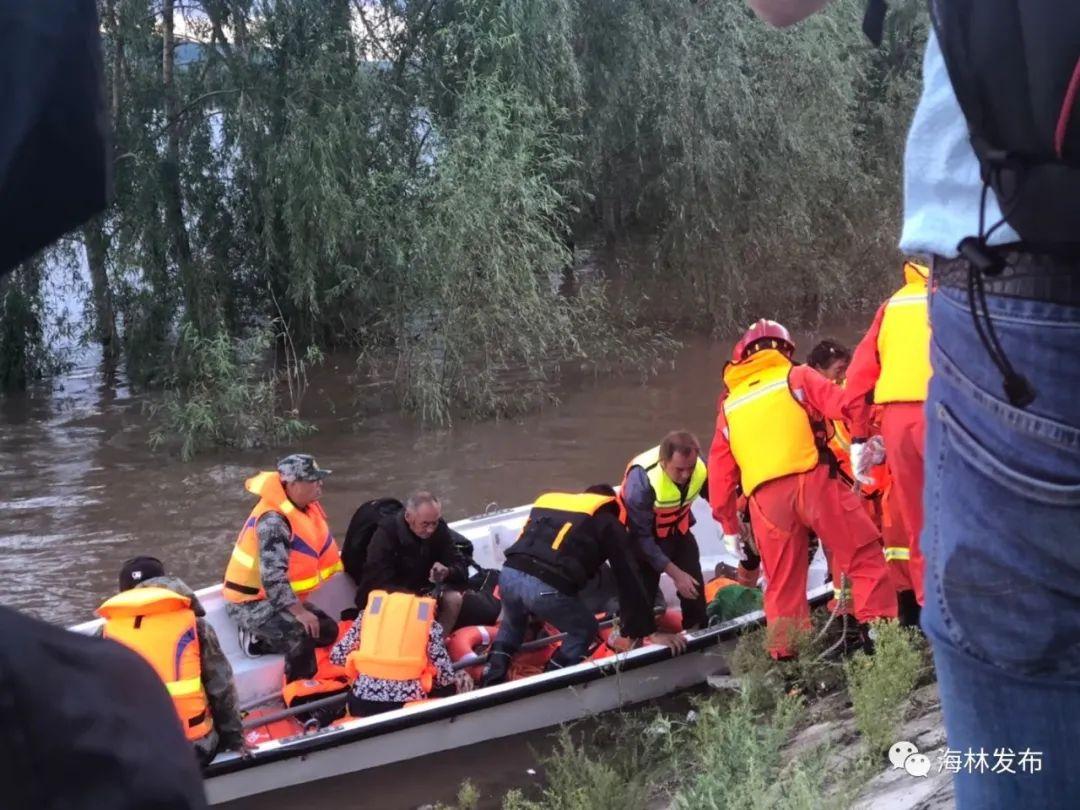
[{"x": 801, "y": 735}]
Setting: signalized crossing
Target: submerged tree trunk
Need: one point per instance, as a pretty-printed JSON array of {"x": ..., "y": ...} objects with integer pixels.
[
  {"x": 196, "y": 298},
  {"x": 104, "y": 313}
]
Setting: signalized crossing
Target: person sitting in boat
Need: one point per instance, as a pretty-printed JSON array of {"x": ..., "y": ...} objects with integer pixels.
[
  {"x": 285, "y": 551},
  {"x": 414, "y": 552},
  {"x": 160, "y": 618},
  {"x": 658, "y": 490},
  {"x": 395, "y": 654},
  {"x": 565, "y": 541}
]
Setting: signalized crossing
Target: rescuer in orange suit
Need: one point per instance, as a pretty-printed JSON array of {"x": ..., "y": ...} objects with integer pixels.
[
  {"x": 768, "y": 441},
  {"x": 891, "y": 369}
]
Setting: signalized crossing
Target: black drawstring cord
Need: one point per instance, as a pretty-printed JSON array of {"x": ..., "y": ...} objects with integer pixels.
[{"x": 983, "y": 262}]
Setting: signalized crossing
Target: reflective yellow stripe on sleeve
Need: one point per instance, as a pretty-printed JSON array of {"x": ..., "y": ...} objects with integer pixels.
[{"x": 897, "y": 553}]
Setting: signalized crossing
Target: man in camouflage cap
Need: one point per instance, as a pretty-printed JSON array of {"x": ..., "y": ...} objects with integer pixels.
[
  {"x": 284, "y": 553},
  {"x": 301, "y": 467}
]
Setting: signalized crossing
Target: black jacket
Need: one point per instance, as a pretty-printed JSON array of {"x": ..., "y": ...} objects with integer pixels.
[
  {"x": 597, "y": 539},
  {"x": 87, "y": 724},
  {"x": 398, "y": 560}
]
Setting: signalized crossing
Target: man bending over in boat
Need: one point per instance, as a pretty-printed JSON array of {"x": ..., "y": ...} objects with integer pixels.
[
  {"x": 562, "y": 546},
  {"x": 395, "y": 654},
  {"x": 414, "y": 552},
  {"x": 658, "y": 491},
  {"x": 160, "y": 618},
  {"x": 284, "y": 553}
]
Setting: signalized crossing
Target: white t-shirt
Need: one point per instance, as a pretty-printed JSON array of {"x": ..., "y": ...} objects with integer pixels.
[{"x": 941, "y": 173}]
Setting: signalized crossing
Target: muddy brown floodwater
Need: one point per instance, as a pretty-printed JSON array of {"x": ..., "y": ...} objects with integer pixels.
[{"x": 80, "y": 492}]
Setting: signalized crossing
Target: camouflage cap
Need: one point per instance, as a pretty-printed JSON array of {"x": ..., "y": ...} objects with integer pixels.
[{"x": 300, "y": 467}]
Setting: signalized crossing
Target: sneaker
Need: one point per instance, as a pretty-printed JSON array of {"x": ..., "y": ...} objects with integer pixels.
[{"x": 250, "y": 645}]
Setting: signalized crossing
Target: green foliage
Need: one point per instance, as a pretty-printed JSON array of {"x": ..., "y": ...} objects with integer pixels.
[
  {"x": 738, "y": 759},
  {"x": 218, "y": 394},
  {"x": 879, "y": 685},
  {"x": 468, "y": 798},
  {"x": 623, "y": 778},
  {"x": 24, "y": 353},
  {"x": 482, "y": 258},
  {"x": 814, "y": 670},
  {"x": 733, "y": 750},
  {"x": 404, "y": 179},
  {"x": 739, "y": 148}
]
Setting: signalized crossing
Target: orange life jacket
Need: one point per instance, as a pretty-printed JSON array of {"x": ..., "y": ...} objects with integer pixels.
[
  {"x": 159, "y": 625},
  {"x": 313, "y": 554},
  {"x": 714, "y": 586},
  {"x": 769, "y": 431},
  {"x": 329, "y": 678},
  {"x": 394, "y": 639},
  {"x": 672, "y": 505}
]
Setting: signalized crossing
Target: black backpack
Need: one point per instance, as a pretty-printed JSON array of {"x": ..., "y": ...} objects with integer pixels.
[
  {"x": 365, "y": 521},
  {"x": 1015, "y": 68}
]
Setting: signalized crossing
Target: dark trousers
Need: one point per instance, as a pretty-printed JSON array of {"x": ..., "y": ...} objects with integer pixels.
[
  {"x": 361, "y": 707},
  {"x": 681, "y": 549},
  {"x": 283, "y": 633}
]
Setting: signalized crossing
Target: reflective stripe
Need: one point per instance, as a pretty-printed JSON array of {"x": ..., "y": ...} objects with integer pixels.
[
  {"x": 897, "y": 553},
  {"x": 732, "y": 404},
  {"x": 313, "y": 582},
  {"x": 189, "y": 686},
  {"x": 558, "y": 541},
  {"x": 243, "y": 557},
  {"x": 908, "y": 300}
]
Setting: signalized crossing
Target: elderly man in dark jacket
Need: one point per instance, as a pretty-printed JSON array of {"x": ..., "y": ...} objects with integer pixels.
[{"x": 414, "y": 551}]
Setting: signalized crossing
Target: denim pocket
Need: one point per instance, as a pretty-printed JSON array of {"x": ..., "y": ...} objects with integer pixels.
[
  {"x": 982, "y": 460},
  {"x": 1003, "y": 553}
]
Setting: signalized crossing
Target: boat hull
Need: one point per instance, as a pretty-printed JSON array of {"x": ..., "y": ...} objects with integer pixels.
[{"x": 464, "y": 720}]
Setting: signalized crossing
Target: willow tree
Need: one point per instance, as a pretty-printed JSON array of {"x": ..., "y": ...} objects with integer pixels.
[{"x": 400, "y": 179}]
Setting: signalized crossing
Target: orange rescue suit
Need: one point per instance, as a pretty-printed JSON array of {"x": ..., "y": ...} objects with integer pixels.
[
  {"x": 159, "y": 625},
  {"x": 313, "y": 554}
]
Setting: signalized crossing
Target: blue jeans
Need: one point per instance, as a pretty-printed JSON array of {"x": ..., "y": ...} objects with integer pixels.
[
  {"x": 1002, "y": 545},
  {"x": 523, "y": 594}
]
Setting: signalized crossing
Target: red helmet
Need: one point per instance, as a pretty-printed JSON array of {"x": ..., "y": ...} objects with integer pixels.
[{"x": 763, "y": 334}]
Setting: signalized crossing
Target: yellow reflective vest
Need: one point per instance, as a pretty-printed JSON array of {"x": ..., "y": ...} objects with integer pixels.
[
  {"x": 672, "y": 505},
  {"x": 769, "y": 431},
  {"x": 903, "y": 343}
]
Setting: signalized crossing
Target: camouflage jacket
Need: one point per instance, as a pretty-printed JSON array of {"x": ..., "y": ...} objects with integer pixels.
[
  {"x": 217, "y": 674},
  {"x": 274, "y": 536}
]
